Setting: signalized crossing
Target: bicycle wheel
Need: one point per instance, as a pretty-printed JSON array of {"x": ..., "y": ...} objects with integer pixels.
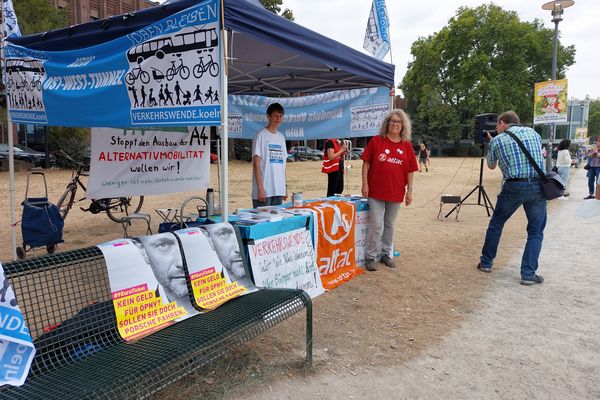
[
  {"x": 124, "y": 206},
  {"x": 66, "y": 201},
  {"x": 197, "y": 71},
  {"x": 130, "y": 78},
  {"x": 214, "y": 69},
  {"x": 145, "y": 77},
  {"x": 184, "y": 72},
  {"x": 170, "y": 74}
]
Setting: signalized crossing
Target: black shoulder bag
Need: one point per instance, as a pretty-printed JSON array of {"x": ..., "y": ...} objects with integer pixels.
[{"x": 552, "y": 186}]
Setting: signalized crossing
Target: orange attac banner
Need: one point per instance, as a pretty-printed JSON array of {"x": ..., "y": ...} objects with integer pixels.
[{"x": 334, "y": 241}]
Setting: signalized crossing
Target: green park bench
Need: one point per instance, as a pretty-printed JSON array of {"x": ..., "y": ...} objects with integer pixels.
[{"x": 65, "y": 299}]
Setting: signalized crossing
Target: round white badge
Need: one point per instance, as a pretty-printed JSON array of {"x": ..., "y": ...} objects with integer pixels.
[
  {"x": 387, "y": 151},
  {"x": 400, "y": 151}
]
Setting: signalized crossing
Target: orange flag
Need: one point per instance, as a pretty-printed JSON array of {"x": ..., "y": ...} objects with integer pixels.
[{"x": 334, "y": 236}]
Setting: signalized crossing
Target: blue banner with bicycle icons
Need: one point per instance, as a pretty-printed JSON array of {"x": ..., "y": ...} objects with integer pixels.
[{"x": 167, "y": 73}]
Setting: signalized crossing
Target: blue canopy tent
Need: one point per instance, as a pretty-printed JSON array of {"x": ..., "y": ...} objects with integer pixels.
[{"x": 266, "y": 54}]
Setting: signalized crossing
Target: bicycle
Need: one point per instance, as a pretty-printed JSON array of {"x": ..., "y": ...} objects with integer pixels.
[
  {"x": 115, "y": 208},
  {"x": 182, "y": 70},
  {"x": 136, "y": 73},
  {"x": 211, "y": 66}
]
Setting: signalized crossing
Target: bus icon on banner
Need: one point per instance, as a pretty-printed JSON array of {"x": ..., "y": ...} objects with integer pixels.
[{"x": 198, "y": 39}]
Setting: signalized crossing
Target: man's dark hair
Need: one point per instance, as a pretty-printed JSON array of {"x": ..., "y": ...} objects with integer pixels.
[
  {"x": 564, "y": 144},
  {"x": 275, "y": 107},
  {"x": 509, "y": 118}
]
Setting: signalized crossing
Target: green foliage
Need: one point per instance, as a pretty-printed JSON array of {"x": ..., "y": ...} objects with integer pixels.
[
  {"x": 275, "y": 7},
  {"x": 73, "y": 141},
  {"x": 39, "y": 16},
  {"x": 594, "y": 119},
  {"x": 485, "y": 60}
]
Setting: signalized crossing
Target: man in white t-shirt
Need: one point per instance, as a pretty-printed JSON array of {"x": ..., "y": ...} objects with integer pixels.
[{"x": 269, "y": 155}]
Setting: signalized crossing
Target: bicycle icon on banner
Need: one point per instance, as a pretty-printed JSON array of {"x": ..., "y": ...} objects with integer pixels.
[
  {"x": 211, "y": 66},
  {"x": 135, "y": 74},
  {"x": 181, "y": 69}
]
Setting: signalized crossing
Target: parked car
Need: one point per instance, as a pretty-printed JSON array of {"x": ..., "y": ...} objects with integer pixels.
[
  {"x": 243, "y": 149},
  {"x": 356, "y": 153},
  {"x": 37, "y": 158},
  {"x": 306, "y": 153}
]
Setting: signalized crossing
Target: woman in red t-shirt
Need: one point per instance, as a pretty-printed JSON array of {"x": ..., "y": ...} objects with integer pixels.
[{"x": 387, "y": 180}]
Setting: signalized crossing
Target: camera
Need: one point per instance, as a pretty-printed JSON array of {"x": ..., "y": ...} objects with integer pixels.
[{"x": 485, "y": 123}]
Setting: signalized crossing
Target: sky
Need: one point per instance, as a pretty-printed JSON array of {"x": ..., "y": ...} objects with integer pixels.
[{"x": 346, "y": 20}]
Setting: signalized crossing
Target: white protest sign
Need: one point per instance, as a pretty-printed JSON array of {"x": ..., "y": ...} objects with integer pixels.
[
  {"x": 286, "y": 260},
  {"x": 127, "y": 162},
  {"x": 16, "y": 349},
  {"x": 360, "y": 237}
]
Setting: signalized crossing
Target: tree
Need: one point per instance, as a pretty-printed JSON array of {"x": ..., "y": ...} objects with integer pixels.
[
  {"x": 39, "y": 16},
  {"x": 275, "y": 7},
  {"x": 484, "y": 60},
  {"x": 594, "y": 119}
]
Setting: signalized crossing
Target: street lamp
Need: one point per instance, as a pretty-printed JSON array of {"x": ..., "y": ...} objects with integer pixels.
[{"x": 557, "y": 8}]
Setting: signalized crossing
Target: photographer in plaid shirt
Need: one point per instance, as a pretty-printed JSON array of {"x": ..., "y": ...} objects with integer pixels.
[{"x": 522, "y": 186}]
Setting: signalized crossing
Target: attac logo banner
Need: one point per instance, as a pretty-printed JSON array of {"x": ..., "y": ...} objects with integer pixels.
[
  {"x": 350, "y": 113},
  {"x": 127, "y": 162},
  {"x": 16, "y": 348},
  {"x": 334, "y": 236},
  {"x": 167, "y": 73},
  {"x": 550, "y": 102}
]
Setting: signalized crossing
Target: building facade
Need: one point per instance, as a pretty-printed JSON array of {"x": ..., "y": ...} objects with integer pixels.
[{"x": 82, "y": 11}]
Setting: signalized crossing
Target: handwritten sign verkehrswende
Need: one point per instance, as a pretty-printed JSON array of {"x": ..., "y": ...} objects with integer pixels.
[{"x": 286, "y": 260}]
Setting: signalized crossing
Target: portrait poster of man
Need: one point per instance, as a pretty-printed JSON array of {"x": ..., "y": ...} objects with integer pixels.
[
  {"x": 215, "y": 264},
  {"x": 148, "y": 284}
]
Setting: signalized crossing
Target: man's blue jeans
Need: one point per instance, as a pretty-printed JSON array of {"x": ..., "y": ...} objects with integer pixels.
[
  {"x": 592, "y": 176},
  {"x": 511, "y": 197},
  {"x": 269, "y": 201}
]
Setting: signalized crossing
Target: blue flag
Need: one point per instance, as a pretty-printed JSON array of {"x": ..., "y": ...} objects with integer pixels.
[
  {"x": 11, "y": 25},
  {"x": 377, "y": 35}
]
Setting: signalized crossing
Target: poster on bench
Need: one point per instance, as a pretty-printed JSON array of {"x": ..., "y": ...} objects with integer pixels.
[
  {"x": 214, "y": 263},
  {"x": 16, "y": 349},
  {"x": 286, "y": 260},
  {"x": 148, "y": 284}
]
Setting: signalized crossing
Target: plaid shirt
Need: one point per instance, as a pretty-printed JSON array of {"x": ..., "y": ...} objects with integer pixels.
[{"x": 509, "y": 156}]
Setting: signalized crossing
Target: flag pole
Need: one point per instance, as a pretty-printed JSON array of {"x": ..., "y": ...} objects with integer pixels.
[
  {"x": 224, "y": 195},
  {"x": 11, "y": 156}
]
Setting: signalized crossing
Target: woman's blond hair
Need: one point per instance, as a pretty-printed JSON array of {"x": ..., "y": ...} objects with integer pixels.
[{"x": 406, "y": 131}]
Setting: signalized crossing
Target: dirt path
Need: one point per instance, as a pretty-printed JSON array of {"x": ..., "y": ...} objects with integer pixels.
[{"x": 539, "y": 342}]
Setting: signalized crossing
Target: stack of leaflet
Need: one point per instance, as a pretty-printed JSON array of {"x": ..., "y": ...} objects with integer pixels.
[{"x": 263, "y": 214}]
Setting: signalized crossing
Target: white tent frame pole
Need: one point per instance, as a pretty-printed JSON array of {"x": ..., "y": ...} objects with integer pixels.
[
  {"x": 224, "y": 197},
  {"x": 11, "y": 156}
]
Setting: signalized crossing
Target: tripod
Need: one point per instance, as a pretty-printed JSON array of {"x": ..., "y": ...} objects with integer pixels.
[{"x": 481, "y": 193}]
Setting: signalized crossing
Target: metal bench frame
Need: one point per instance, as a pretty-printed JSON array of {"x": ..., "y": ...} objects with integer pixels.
[{"x": 85, "y": 358}]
